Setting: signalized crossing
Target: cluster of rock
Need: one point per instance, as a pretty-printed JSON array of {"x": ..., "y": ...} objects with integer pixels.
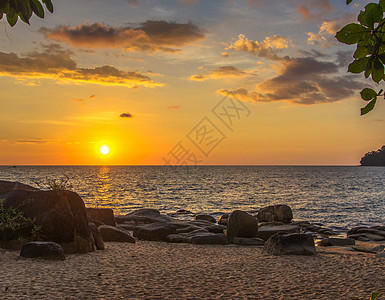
[
  {"x": 362, "y": 233},
  {"x": 69, "y": 227}
]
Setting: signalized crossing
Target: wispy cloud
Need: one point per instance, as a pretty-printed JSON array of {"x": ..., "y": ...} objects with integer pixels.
[
  {"x": 312, "y": 10},
  {"x": 148, "y": 36},
  {"x": 60, "y": 66},
  {"x": 220, "y": 72}
]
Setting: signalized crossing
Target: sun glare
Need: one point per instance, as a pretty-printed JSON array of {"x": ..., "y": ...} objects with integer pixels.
[{"x": 104, "y": 150}]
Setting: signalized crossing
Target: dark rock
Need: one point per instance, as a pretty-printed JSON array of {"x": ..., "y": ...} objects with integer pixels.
[
  {"x": 223, "y": 219},
  {"x": 115, "y": 234},
  {"x": 371, "y": 231},
  {"x": 7, "y": 186},
  {"x": 188, "y": 229},
  {"x": 216, "y": 228},
  {"x": 154, "y": 231},
  {"x": 290, "y": 244},
  {"x": 128, "y": 226},
  {"x": 248, "y": 241},
  {"x": 209, "y": 238},
  {"x": 266, "y": 232},
  {"x": 275, "y": 213},
  {"x": 354, "y": 230},
  {"x": 336, "y": 242},
  {"x": 144, "y": 215},
  {"x": 61, "y": 215},
  {"x": 175, "y": 238},
  {"x": 241, "y": 224},
  {"x": 200, "y": 223},
  {"x": 97, "y": 236},
  {"x": 103, "y": 215},
  {"x": 205, "y": 218},
  {"x": 97, "y": 223},
  {"x": 378, "y": 248},
  {"x": 47, "y": 250},
  {"x": 366, "y": 237}
]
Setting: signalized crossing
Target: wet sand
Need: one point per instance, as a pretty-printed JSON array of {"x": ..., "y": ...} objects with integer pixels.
[{"x": 152, "y": 270}]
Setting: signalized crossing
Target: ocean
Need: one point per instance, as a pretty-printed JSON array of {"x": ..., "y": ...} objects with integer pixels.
[{"x": 339, "y": 197}]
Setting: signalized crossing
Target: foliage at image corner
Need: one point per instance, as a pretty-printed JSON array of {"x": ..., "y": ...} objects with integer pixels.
[
  {"x": 13, "y": 220},
  {"x": 23, "y": 9},
  {"x": 369, "y": 56}
]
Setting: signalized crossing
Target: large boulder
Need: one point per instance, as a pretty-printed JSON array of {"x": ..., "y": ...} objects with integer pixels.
[
  {"x": 61, "y": 216},
  {"x": 6, "y": 186},
  {"x": 155, "y": 231},
  {"x": 46, "y": 250},
  {"x": 115, "y": 234},
  {"x": 97, "y": 236},
  {"x": 275, "y": 213},
  {"x": 241, "y": 224},
  {"x": 265, "y": 232},
  {"x": 290, "y": 244},
  {"x": 103, "y": 215}
]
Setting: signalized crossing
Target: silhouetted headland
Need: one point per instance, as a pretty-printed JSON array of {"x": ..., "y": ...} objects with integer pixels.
[{"x": 374, "y": 158}]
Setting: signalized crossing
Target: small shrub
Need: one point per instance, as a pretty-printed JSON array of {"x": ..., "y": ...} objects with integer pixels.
[{"x": 60, "y": 184}]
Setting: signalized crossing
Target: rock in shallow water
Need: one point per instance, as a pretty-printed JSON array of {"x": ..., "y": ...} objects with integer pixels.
[
  {"x": 275, "y": 213},
  {"x": 46, "y": 250},
  {"x": 290, "y": 244},
  {"x": 205, "y": 218},
  {"x": 265, "y": 232},
  {"x": 103, "y": 215}
]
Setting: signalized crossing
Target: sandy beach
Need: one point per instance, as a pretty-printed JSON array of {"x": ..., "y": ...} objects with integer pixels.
[{"x": 156, "y": 270}]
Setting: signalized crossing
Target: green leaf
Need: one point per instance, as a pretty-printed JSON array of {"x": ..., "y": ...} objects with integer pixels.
[
  {"x": 361, "y": 52},
  {"x": 373, "y": 14},
  {"x": 368, "y": 94},
  {"x": 378, "y": 71},
  {"x": 359, "y": 65},
  {"x": 12, "y": 19},
  {"x": 382, "y": 4},
  {"x": 374, "y": 296},
  {"x": 368, "y": 107},
  {"x": 348, "y": 2},
  {"x": 37, "y": 8},
  {"x": 49, "y": 5},
  {"x": 352, "y": 34}
]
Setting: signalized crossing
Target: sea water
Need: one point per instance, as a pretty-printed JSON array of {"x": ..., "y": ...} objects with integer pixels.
[{"x": 337, "y": 196}]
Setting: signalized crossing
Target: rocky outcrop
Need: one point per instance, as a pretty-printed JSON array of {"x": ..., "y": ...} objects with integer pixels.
[
  {"x": 241, "y": 224},
  {"x": 102, "y": 215},
  {"x": 290, "y": 244},
  {"x": 46, "y": 250},
  {"x": 155, "y": 231},
  {"x": 61, "y": 215},
  {"x": 115, "y": 234},
  {"x": 336, "y": 242},
  {"x": 205, "y": 218},
  {"x": 143, "y": 216},
  {"x": 200, "y": 236},
  {"x": 275, "y": 213},
  {"x": 265, "y": 232},
  {"x": 362, "y": 233}
]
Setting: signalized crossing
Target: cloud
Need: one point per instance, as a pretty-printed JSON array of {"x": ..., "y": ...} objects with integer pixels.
[
  {"x": 28, "y": 141},
  {"x": 312, "y": 10},
  {"x": 328, "y": 29},
  {"x": 60, "y": 66},
  {"x": 126, "y": 115},
  {"x": 268, "y": 48},
  {"x": 148, "y": 36},
  {"x": 301, "y": 81},
  {"x": 220, "y": 72}
]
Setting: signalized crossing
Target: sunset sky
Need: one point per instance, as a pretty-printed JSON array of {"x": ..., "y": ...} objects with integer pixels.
[{"x": 149, "y": 79}]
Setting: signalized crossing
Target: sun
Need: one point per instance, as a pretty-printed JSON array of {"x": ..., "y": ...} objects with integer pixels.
[{"x": 104, "y": 150}]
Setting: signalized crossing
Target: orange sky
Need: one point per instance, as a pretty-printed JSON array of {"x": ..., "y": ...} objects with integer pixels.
[{"x": 184, "y": 82}]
